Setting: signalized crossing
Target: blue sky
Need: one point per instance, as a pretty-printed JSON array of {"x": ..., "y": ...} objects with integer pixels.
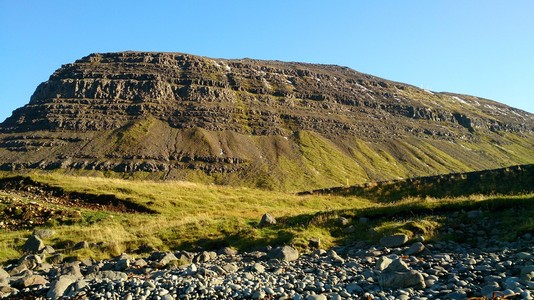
[{"x": 477, "y": 47}]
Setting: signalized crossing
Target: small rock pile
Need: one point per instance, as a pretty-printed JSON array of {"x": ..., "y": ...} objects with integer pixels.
[
  {"x": 441, "y": 270},
  {"x": 19, "y": 215}
]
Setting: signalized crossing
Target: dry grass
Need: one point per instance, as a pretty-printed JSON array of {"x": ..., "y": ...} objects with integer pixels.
[{"x": 195, "y": 215}]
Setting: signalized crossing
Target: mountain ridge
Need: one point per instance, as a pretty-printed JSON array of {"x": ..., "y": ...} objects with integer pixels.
[{"x": 254, "y": 122}]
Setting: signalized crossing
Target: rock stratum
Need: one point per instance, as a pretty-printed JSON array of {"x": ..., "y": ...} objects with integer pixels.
[{"x": 270, "y": 124}]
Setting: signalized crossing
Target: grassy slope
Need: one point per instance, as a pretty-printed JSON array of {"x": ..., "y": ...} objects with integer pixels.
[
  {"x": 303, "y": 160},
  {"x": 513, "y": 180},
  {"x": 196, "y": 215},
  {"x": 189, "y": 213}
]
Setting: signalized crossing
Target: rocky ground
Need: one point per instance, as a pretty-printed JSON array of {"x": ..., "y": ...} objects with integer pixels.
[{"x": 394, "y": 269}]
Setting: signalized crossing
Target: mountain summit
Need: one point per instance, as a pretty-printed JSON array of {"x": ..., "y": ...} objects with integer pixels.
[{"x": 272, "y": 124}]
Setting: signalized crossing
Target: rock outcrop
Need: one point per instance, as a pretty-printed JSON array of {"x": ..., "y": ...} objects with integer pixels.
[{"x": 178, "y": 116}]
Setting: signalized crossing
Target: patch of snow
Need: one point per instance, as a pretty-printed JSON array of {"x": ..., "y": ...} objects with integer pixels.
[
  {"x": 518, "y": 114},
  {"x": 362, "y": 87},
  {"x": 460, "y": 100},
  {"x": 428, "y": 91},
  {"x": 494, "y": 108}
]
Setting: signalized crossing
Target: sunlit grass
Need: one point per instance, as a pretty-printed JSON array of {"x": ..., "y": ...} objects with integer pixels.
[{"x": 194, "y": 216}]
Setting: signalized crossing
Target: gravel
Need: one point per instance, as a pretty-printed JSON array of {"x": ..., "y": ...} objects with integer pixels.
[{"x": 443, "y": 270}]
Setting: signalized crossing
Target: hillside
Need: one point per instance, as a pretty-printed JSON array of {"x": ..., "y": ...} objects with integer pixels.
[
  {"x": 267, "y": 124},
  {"x": 515, "y": 180}
]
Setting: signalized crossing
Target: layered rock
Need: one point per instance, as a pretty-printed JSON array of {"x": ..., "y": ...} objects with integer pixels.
[{"x": 166, "y": 112}]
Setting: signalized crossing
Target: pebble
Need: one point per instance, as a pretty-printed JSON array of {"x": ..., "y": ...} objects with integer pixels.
[{"x": 450, "y": 271}]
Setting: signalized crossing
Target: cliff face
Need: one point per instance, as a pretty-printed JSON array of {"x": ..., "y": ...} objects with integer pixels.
[{"x": 254, "y": 122}]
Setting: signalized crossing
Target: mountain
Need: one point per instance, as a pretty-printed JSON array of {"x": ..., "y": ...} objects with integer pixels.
[{"x": 271, "y": 124}]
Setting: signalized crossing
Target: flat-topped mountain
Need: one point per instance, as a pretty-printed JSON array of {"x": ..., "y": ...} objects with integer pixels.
[{"x": 257, "y": 123}]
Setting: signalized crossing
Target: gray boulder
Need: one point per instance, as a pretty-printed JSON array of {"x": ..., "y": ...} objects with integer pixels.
[
  {"x": 166, "y": 259},
  {"x": 382, "y": 263},
  {"x": 184, "y": 257},
  {"x": 76, "y": 287},
  {"x": 59, "y": 287},
  {"x": 354, "y": 288},
  {"x": 394, "y": 240},
  {"x": 3, "y": 274},
  {"x": 6, "y": 291},
  {"x": 203, "y": 257},
  {"x": 230, "y": 268},
  {"x": 57, "y": 258},
  {"x": 228, "y": 251},
  {"x": 17, "y": 270},
  {"x": 259, "y": 294},
  {"x": 286, "y": 253},
  {"x": 72, "y": 269},
  {"x": 4, "y": 278},
  {"x": 398, "y": 276},
  {"x": 207, "y": 272},
  {"x": 191, "y": 269},
  {"x": 314, "y": 243},
  {"x": 334, "y": 257},
  {"x": 28, "y": 281},
  {"x": 111, "y": 275},
  {"x": 267, "y": 220},
  {"x": 217, "y": 269},
  {"x": 30, "y": 261},
  {"x": 415, "y": 248},
  {"x": 140, "y": 263},
  {"x": 397, "y": 265},
  {"x": 122, "y": 264},
  {"x": 258, "y": 268},
  {"x": 33, "y": 244},
  {"x": 81, "y": 245},
  {"x": 47, "y": 250},
  {"x": 527, "y": 272}
]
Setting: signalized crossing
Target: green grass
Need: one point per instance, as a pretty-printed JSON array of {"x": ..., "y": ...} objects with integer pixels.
[
  {"x": 130, "y": 136},
  {"x": 193, "y": 216},
  {"x": 189, "y": 214},
  {"x": 513, "y": 180}
]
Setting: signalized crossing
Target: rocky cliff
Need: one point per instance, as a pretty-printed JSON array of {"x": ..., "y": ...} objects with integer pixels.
[{"x": 263, "y": 123}]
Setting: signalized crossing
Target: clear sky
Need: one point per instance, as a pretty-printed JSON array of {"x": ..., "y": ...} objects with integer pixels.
[{"x": 477, "y": 47}]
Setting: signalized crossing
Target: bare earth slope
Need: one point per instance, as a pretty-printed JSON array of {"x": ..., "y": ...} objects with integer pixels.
[{"x": 289, "y": 126}]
